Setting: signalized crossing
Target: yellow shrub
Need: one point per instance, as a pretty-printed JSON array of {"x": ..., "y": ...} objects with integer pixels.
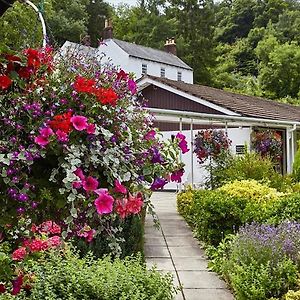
[
  {"x": 291, "y": 295},
  {"x": 252, "y": 190},
  {"x": 184, "y": 202}
]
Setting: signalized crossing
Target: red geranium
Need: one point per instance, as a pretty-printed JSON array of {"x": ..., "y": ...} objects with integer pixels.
[
  {"x": 5, "y": 82},
  {"x": 62, "y": 122},
  {"x": 106, "y": 96},
  {"x": 84, "y": 85},
  {"x": 33, "y": 58}
]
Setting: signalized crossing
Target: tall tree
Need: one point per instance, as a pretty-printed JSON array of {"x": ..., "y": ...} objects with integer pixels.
[{"x": 195, "y": 20}]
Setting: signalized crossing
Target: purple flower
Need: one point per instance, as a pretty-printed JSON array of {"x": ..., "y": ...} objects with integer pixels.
[
  {"x": 158, "y": 183},
  {"x": 156, "y": 158}
]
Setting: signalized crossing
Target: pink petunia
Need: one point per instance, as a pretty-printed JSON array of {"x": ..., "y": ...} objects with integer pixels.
[
  {"x": 79, "y": 122},
  {"x": 46, "y": 132},
  {"x": 119, "y": 188},
  {"x": 90, "y": 184},
  {"x": 42, "y": 141},
  {"x": 104, "y": 202},
  {"x": 62, "y": 136},
  {"x": 77, "y": 185},
  {"x": 79, "y": 173},
  {"x": 91, "y": 128}
]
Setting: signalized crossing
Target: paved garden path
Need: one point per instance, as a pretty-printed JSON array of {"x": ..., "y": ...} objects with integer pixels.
[{"x": 173, "y": 249}]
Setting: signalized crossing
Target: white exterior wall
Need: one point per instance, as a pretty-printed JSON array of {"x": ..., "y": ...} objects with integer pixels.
[
  {"x": 153, "y": 68},
  {"x": 132, "y": 64},
  {"x": 238, "y": 136},
  {"x": 113, "y": 53}
]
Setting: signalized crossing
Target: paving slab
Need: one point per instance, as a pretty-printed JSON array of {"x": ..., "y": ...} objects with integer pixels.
[
  {"x": 207, "y": 294},
  {"x": 200, "y": 280},
  {"x": 174, "y": 249}
]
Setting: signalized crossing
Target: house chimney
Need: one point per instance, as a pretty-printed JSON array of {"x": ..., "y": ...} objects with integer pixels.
[
  {"x": 108, "y": 30},
  {"x": 170, "y": 46}
]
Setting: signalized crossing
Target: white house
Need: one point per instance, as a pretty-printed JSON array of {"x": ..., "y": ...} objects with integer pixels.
[{"x": 137, "y": 59}]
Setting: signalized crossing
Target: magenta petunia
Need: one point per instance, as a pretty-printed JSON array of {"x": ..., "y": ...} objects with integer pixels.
[
  {"x": 119, "y": 188},
  {"x": 91, "y": 128},
  {"x": 132, "y": 86},
  {"x": 46, "y": 132},
  {"x": 79, "y": 173},
  {"x": 42, "y": 141},
  {"x": 62, "y": 136},
  {"x": 90, "y": 184},
  {"x": 182, "y": 143},
  {"x": 79, "y": 122},
  {"x": 104, "y": 202},
  {"x": 150, "y": 135},
  {"x": 176, "y": 175}
]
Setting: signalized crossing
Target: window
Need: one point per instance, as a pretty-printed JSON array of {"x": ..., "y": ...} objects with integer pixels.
[
  {"x": 179, "y": 76},
  {"x": 162, "y": 72},
  {"x": 144, "y": 69}
]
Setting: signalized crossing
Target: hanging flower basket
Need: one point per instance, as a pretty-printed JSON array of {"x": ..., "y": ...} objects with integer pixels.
[
  {"x": 268, "y": 143},
  {"x": 210, "y": 143}
]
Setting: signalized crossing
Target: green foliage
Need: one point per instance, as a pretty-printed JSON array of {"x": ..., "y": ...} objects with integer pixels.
[
  {"x": 130, "y": 238},
  {"x": 71, "y": 277},
  {"x": 287, "y": 208},
  {"x": 260, "y": 282},
  {"x": 216, "y": 214}
]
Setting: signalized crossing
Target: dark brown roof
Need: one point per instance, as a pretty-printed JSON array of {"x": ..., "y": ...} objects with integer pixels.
[{"x": 248, "y": 106}]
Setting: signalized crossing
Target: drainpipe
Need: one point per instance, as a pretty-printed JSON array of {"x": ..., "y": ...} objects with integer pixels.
[{"x": 290, "y": 135}]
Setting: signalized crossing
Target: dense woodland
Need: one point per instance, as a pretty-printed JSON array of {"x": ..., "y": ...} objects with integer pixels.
[{"x": 248, "y": 46}]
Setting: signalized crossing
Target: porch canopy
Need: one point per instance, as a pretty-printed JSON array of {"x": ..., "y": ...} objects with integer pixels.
[{"x": 192, "y": 105}]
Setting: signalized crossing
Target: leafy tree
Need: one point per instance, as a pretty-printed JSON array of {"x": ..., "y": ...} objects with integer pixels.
[
  {"x": 279, "y": 73},
  {"x": 98, "y": 11},
  {"x": 67, "y": 20}
]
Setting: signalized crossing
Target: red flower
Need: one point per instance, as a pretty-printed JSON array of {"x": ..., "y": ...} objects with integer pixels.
[
  {"x": 2, "y": 288},
  {"x": 122, "y": 75},
  {"x": 84, "y": 85},
  {"x": 5, "y": 82},
  {"x": 19, "y": 254},
  {"x": 106, "y": 96},
  {"x": 49, "y": 227},
  {"x": 33, "y": 58},
  {"x": 62, "y": 122},
  {"x": 134, "y": 204},
  {"x": 38, "y": 245},
  {"x": 25, "y": 72}
]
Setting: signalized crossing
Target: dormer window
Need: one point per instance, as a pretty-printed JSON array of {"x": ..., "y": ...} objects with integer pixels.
[
  {"x": 144, "y": 69},
  {"x": 179, "y": 76},
  {"x": 162, "y": 72}
]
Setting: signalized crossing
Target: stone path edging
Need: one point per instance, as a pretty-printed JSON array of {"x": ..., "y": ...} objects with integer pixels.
[{"x": 172, "y": 248}]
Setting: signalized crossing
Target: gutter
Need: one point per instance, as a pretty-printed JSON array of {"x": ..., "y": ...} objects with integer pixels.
[{"x": 226, "y": 118}]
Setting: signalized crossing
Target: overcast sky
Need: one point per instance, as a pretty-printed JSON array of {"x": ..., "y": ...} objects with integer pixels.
[{"x": 116, "y": 2}]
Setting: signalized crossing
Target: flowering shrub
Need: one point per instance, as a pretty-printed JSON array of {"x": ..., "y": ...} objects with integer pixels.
[
  {"x": 268, "y": 143},
  {"x": 261, "y": 262},
  {"x": 76, "y": 145},
  {"x": 210, "y": 143},
  {"x": 13, "y": 264}
]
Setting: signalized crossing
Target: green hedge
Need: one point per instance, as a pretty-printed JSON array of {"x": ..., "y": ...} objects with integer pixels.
[
  {"x": 214, "y": 213},
  {"x": 72, "y": 278}
]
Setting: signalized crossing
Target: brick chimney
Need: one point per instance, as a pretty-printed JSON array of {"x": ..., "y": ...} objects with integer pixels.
[
  {"x": 108, "y": 30},
  {"x": 170, "y": 46}
]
